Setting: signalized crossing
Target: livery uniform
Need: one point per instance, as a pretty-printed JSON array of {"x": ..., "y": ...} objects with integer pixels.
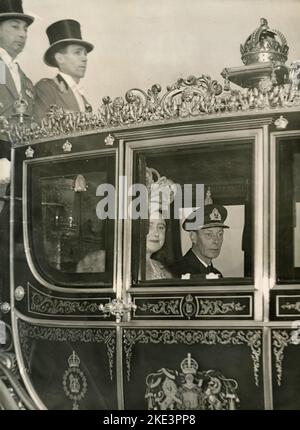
[
  {"x": 62, "y": 91},
  {"x": 9, "y": 93},
  {"x": 59, "y": 92},
  {"x": 14, "y": 84}
]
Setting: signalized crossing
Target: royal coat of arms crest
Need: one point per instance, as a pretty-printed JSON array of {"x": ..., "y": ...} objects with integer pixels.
[{"x": 190, "y": 389}]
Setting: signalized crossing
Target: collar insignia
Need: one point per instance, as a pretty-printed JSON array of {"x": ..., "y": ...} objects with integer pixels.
[{"x": 29, "y": 93}]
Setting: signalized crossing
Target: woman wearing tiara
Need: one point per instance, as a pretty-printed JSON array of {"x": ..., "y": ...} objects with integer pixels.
[{"x": 161, "y": 188}]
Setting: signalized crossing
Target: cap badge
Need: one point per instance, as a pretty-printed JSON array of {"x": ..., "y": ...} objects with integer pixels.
[{"x": 215, "y": 215}]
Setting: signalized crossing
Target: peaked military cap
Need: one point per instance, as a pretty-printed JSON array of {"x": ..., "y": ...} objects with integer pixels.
[{"x": 214, "y": 216}]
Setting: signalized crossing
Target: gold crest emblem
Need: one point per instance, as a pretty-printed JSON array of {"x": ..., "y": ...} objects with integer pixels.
[
  {"x": 190, "y": 389},
  {"x": 215, "y": 215},
  {"x": 74, "y": 381}
]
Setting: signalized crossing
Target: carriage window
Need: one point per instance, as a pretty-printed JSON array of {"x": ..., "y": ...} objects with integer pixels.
[
  {"x": 202, "y": 231},
  {"x": 288, "y": 211},
  {"x": 70, "y": 244}
]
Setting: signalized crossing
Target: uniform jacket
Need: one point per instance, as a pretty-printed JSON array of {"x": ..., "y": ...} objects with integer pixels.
[
  {"x": 54, "y": 92},
  {"x": 189, "y": 263},
  {"x": 9, "y": 93}
]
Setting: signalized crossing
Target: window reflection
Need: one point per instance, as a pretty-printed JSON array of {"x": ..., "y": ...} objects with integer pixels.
[
  {"x": 69, "y": 242},
  {"x": 297, "y": 210},
  {"x": 288, "y": 210},
  {"x": 72, "y": 234}
]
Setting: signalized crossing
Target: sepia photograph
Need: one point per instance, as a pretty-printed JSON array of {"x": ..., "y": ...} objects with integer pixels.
[{"x": 149, "y": 206}]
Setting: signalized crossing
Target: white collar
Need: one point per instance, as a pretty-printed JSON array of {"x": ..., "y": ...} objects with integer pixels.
[
  {"x": 6, "y": 57},
  {"x": 71, "y": 83}
]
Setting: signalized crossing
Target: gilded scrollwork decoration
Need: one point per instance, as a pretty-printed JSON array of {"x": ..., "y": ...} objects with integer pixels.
[
  {"x": 193, "y": 97},
  {"x": 291, "y": 306},
  {"x": 161, "y": 307},
  {"x": 217, "y": 307},
  {"x": 44, "y": 305},
  {"x": 190, "y": 306},
  {"x": 251, "y": 338},
  {"x": 268, "y": 82},
  {"x": 281, "y": 339},
  {"x": 29, "y": 332}
]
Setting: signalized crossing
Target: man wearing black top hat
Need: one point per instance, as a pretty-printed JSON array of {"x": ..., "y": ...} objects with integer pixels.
[
  {"x": 207, "y": 240},
  {"x": 68, "y": 52},
  {"x": 14, "y": 84}
]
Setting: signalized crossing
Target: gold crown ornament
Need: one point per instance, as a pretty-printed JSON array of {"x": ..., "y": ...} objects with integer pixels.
[
  {"x": 189, "y": 365},
  {"x": 264, "y": 55},
  {"x": 264, "y": 45},
  {"x": 73, "y": 360}
]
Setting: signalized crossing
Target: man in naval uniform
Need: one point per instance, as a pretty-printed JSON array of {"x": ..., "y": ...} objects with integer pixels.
[
  {"x": 207, "y": 240},
  {"x": 68, "y": 52},
  {"x": 14, "y": 84}
]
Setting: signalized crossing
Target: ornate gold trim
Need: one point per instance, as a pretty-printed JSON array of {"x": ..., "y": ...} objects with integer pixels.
[
  {"x": 190, "y": 306},
  {"x": 44, "y": 304},
  {"x": 251, "y": 338},
  {"x": 165, "y": 307},
  {"x": 213, "y": 307},
  {"x": 185, "y": 99},
  {"x": 59, "y": 334},
  {"x": 281, "y": 339},
  {"x": 290, "y": 306}
]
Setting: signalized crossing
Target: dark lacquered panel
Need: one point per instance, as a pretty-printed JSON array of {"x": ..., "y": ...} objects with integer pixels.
[
  {"x": 193, "y": 369},
  {"x": 288, "y": 210},
  {"x": 285, "y": 367},
  {"x": 194, "y": 306},
  {"x": 284, "y": 305},
  {"x": 71, "y": 368}
]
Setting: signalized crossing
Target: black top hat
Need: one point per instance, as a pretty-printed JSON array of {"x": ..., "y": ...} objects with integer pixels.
[
  {"x": 62, "y": 33},
  {"x": 13, "y": 9},
  {"x": 214, "y": 216}
]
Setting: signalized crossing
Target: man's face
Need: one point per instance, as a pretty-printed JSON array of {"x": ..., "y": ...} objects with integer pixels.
[
  {"x": 207, "y": 242},
  {"x": 13, "y": 36},
  {"x": 72, "y": 61}
]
